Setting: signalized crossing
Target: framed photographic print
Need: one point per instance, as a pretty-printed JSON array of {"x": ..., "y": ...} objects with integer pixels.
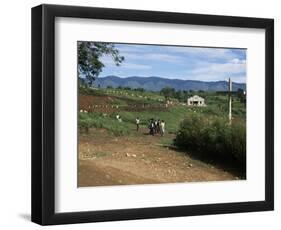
[{"x": 142, "y": 114}]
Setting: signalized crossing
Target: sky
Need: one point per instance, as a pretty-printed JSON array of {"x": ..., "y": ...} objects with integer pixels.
[{"x": 178, "y": 62}]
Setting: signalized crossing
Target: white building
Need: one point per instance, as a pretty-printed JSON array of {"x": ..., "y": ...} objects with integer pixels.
[{"x": 196, "y": 101}]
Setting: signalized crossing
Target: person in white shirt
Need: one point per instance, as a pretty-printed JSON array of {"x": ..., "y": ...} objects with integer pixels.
[
  {"x": 162, "y": 127},
  {"x": 138, "y": 123}
]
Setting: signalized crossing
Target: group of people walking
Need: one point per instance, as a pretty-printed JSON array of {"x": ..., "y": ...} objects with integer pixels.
[{"x": 155, "y": 126}]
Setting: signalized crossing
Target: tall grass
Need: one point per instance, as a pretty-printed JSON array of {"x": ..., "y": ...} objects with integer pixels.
[
  {"x": 213, "y": 137},
  {"x": 98, "y": 120}
]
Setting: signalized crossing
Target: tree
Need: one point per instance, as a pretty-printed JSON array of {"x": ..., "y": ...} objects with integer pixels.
[
  {"x": 89, "y": 54},
  {"x": 241, "y": 95},
  {"x": 167, "y": 92},
  {"x": 179, "y": 95},
  {"x": 140, "y": 89}
]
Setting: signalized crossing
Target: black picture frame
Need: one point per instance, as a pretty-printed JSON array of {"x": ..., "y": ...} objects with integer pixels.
[{"x": 43, "y": 114}]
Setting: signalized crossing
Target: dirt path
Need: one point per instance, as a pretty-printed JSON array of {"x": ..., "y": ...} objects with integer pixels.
[{"x": 138, "y": 159}]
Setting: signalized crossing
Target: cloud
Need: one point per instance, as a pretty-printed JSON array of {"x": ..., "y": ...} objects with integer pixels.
[
  {"x": 130, "y": 48},
  {"x": 153, "y": 57},
  {"x": 163, "y": 57},
  {"x": 238, "y": 61},
  {"x": 208, "y": 54},
  {"x": 135, "y": 66},
  {"x": 235, "y": 68},
  {"x": 198, "y": 63},
  {"x": 148, "y": 52},
  {"x": 108, "y": 62}
]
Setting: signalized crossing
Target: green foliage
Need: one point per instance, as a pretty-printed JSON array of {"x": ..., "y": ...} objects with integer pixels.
[
  {"x": 217, "y": 106},
  {"x": 213, "y": 137},
  {"x": 172, "y": 117},
  {"x": 98, "y": 120},
  {"x": 127, "y": 88},
  {"x": 136, "y": 95},
  {"x": 203, "y": 131},
  {"x": 89, "y": 91},
  {"x": 140, "y": 89},
  {"x": 168, "y": 92},
  {"x": 241, "y": 95},
  {"x": 89, "y": 54}
]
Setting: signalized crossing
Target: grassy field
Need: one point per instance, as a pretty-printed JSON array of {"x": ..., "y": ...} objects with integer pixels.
[
  {"x": 130, "y": 104},
  {"x": 203, "y": 132}
]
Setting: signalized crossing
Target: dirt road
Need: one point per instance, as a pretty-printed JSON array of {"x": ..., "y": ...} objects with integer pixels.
[{"x": 138, "y": 159}]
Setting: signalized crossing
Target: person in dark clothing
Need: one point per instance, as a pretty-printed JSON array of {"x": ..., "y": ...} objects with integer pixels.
[
  {"x": 158, "y": 126},
  {"x": 151, "y": 126}
]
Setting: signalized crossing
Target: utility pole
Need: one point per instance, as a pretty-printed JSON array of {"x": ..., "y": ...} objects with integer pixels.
[{"x": 230, "y": 100}]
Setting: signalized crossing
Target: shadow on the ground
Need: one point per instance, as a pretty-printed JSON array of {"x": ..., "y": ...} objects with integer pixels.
[
  {"x": 146, "y": 134},
  {"x": 228, "y": 165}
]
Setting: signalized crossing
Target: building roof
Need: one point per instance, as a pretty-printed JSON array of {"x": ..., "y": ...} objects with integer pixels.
[{"x": 196, "y": 98}]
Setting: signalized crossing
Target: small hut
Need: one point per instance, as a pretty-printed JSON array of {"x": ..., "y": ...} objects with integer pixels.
[{"x": 196, "y": 101}]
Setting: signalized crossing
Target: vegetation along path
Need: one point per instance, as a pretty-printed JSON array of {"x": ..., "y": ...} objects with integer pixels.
[{"x": 105, "y": 159}]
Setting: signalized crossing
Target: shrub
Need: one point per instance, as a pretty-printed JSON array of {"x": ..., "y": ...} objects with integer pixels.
[{"x": 213, "y": 137}]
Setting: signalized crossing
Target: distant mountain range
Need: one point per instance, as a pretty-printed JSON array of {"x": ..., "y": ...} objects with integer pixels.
[{"x": 157, "y": 83}]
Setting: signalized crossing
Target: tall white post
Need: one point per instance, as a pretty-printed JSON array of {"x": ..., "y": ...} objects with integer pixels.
[{"x": 229, "y": 96}]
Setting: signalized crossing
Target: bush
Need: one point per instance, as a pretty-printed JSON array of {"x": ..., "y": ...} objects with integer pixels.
[{"x": 213, "y": 137}]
